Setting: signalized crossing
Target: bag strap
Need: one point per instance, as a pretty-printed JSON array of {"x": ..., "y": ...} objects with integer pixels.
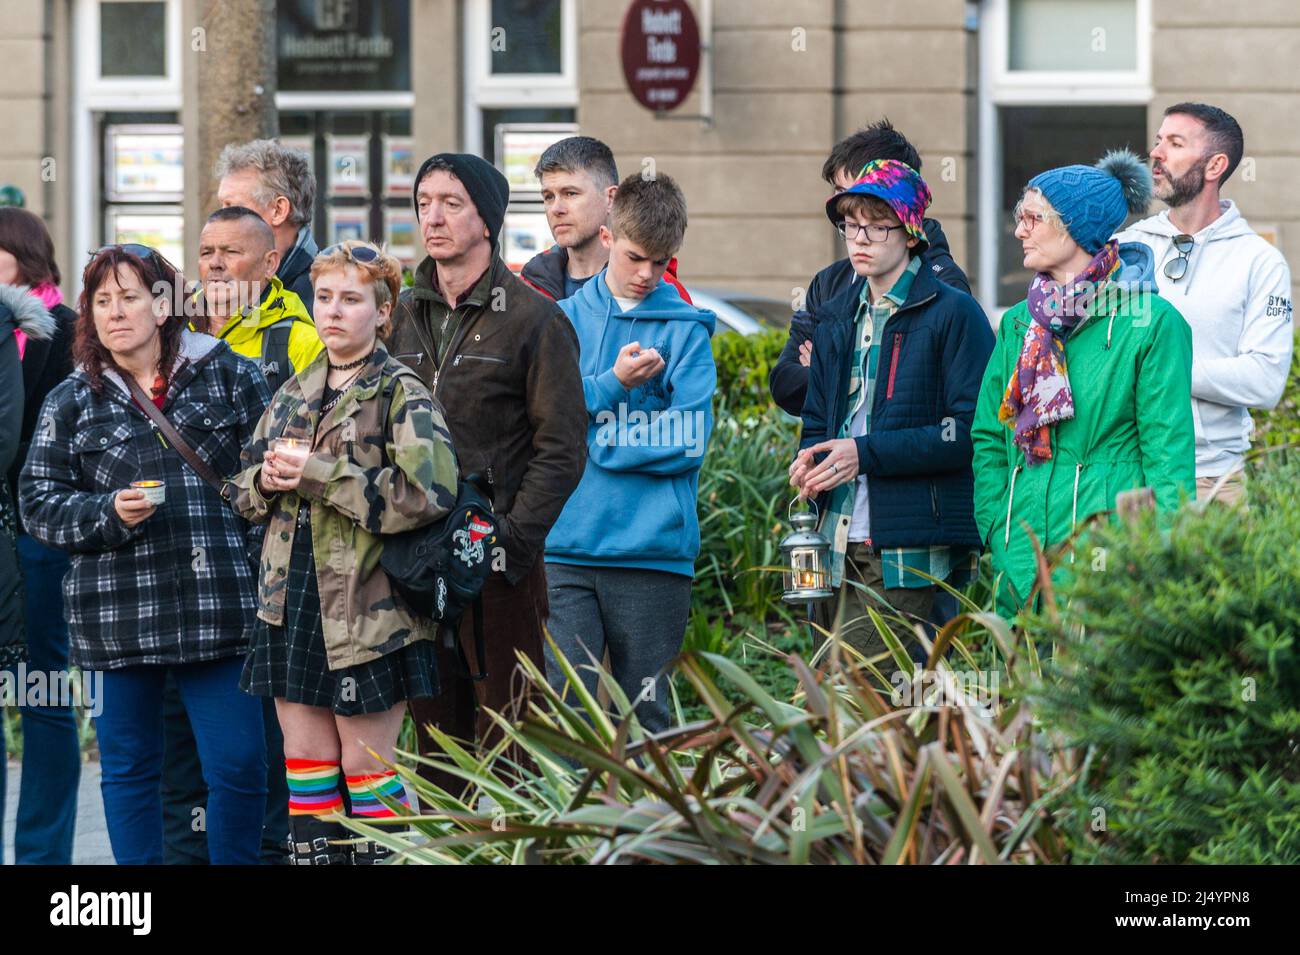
[
  {"x": 197, "y": 464},
  {"x": 275, "y": 365},
  {"x": 451, "y": 636}
]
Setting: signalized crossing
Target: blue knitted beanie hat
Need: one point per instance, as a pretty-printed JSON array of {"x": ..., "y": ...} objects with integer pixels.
[{"x": 1095, "y": 200}]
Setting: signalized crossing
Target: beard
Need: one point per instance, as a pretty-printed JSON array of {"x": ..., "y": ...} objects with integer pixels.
[
  {"x": 584, "y": 240},
  {"x": 1180, "y": 190}
]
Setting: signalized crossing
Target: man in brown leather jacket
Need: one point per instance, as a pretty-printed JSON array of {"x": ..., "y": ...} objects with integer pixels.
[{"x": 502, "y": 360}]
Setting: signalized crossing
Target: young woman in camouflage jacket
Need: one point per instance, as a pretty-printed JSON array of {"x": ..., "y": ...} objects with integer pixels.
[{"x": 335, "y": 646}]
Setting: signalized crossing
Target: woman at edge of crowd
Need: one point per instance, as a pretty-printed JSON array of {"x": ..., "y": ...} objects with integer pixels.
[
  {"x": 154, "y": 584},
  {"x": 1088, "y": 391},
  {"x": 335, "y": 646},
  {"x": 47, "y": 800}
]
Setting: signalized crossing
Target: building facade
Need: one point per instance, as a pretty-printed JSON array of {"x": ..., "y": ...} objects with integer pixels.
[{"x": 101, "y": 93}]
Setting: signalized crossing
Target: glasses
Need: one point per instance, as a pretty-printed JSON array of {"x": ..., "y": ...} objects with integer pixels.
[
  {"x": 1027, "y": 220},
  {"x": 357, "y": 253},
  {"x": 1177, "y": 268},
  {"x": 874, "y": 233}
]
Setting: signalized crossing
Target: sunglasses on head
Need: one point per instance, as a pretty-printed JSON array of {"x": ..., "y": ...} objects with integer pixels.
[
  {"x": 357, "y": 253},
  {"x": 150, "y": 257},
  {"x": 1177, "y": 268},
  {"x": 142, "y": 252}
]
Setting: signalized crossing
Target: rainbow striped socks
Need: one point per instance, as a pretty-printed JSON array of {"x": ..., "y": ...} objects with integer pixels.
[
  {"x": 313, "y": 787},
  {"x": 364, "y": 791}
]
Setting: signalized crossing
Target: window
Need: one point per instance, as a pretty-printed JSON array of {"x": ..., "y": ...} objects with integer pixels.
[
  {"x": 132, "y": 39},
  {"x": 1061, "y": 81},
  {"x": 1036, "y": 138},
  {"x": 127, "y": 53},
  {"x": 1066, "y": 35},
  {"x": 520, "y": 66},
  {"x": 492, "y": 118},
  {"x": 349, "y": 46},
  {"x": 125, "y": 136},
  {"x": 142, "y": 182},
  {"x": 1088, "y": 50},
  {"x": 526, "y": 37},
  {"x": 364, "y": 164}
]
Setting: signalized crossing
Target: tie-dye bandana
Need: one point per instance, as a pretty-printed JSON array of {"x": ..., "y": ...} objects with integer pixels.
[
  {"x": 1038, "y": 394},
  {"x": 899, "y": 185}
]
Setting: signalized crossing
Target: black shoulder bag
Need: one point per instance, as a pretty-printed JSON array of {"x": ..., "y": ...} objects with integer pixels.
[{"x": 440, "y": 569}]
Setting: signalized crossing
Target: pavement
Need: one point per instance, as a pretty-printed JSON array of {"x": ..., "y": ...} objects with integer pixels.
[{"x": 90, "y": 845}]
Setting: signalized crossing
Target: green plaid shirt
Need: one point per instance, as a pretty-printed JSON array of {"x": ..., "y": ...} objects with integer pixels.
[{"x": 956, "y": 565}]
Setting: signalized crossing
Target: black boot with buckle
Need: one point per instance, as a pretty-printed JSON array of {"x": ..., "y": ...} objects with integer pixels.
[
  {"x": 315, "y": 841},
  {"x": 369, "y": 852}
]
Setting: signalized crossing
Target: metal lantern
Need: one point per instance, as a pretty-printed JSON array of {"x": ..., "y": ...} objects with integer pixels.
[{"x": 806, "y": 556}]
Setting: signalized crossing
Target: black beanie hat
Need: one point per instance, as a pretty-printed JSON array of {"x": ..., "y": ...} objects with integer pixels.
[{"x": 488, "y": 188}]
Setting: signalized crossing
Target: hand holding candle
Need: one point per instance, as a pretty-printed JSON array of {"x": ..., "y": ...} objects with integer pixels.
[
  {"x": 132, "y": 506},
  {"x": 282, "y": 465}
]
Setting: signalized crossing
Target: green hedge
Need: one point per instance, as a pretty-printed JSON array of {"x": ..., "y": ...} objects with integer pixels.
[
  {"x": 1178, "y": 672},
  {"x": 1282, "y": 424},
  {"x": 744, "y": 362}
]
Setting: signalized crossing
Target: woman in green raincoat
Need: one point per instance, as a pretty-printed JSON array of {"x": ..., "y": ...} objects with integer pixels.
[{"x": 1088, "y": 391}]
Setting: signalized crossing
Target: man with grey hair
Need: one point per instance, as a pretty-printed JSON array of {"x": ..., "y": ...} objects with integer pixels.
[{"x": 277, "y": 183}]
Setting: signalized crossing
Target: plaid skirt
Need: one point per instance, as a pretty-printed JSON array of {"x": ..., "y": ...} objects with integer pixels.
[{"x": 289, "y": 661}]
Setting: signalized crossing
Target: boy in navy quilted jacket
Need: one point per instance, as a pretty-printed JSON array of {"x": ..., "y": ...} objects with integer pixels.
[
  {"x": 885, "y": 450},
  {"x": 621, "y": 558}
]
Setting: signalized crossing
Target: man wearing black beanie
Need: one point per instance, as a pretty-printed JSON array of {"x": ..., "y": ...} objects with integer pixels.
[{"x": 502, "y": 360}]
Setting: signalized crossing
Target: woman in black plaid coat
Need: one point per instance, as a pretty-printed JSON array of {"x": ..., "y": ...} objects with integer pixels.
[{"x": 154, "y": 587}]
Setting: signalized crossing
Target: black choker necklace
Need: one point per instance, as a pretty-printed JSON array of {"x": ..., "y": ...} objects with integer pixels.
[{"x": 352, "y": 364}]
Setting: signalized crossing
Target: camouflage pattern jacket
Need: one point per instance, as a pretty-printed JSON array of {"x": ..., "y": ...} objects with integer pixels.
[{"x": 364, "y": 478}]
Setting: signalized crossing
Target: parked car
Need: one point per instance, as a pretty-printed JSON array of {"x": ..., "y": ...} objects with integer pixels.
[{"x": 742, "y": 312}]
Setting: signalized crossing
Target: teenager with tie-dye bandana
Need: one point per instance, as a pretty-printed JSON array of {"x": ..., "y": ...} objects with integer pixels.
[
  {"x": 1087, "y": 394},
  {"x": 885, "y": 448}
]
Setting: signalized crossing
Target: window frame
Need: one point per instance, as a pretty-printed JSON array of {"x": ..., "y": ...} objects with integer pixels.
[
  {"x": 1000, "y": 86},
  {"x": 1048, "y": 87},
  {"x": 111, "y": 92},
  {"x": 487, "y": 90}
]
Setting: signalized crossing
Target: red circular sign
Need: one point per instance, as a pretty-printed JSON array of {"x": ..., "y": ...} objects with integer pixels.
[{"x": 661, "y": 52}]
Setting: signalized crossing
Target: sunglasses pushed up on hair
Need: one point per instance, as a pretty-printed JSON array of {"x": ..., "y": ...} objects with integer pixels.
[
  {"x": 357, "y": 253},
  {"x": 149, "y": 256}
]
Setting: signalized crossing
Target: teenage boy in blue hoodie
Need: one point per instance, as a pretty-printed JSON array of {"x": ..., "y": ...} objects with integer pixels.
[{"x": 621, "y": 558}]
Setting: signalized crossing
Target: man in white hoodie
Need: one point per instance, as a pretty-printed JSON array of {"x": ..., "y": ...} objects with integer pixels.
[{"x": 1231, "y": 285}]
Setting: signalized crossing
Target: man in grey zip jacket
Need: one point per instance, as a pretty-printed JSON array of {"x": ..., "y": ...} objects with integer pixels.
[{"x": 1231, "y": 286}]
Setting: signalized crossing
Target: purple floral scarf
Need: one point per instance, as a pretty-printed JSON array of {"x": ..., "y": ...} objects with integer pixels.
[{"x": 1038, "y": 394}]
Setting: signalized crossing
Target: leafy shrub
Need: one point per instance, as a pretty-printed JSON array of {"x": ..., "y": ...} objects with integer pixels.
[
  {"x": 743, "y": 363},
  {"x": 1282, "y": 424},
  {"x": 843, "y": 774},
  {"x": 1178, "y": 672},
  {"x": 743, "y": 493}
]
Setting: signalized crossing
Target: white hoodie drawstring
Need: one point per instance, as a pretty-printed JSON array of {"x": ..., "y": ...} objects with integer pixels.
[
  {"x": 1011, "y": 496},
  {"x": 1074, "y": 504}
]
